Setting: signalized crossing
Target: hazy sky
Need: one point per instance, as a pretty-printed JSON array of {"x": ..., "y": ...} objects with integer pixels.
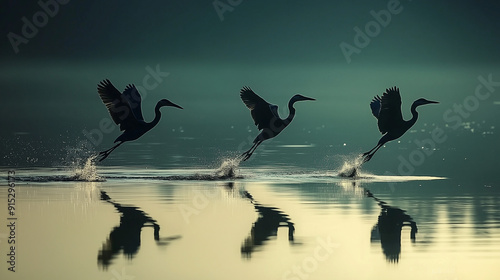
[
  {"x": 210, "y": 49},
  {"x": 455, "y": 32}
]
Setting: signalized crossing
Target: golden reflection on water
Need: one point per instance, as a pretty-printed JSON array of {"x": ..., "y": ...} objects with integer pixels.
[{"x": 251, "y": 229}]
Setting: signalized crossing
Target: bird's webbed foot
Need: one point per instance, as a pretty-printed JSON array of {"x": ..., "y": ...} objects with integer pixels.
[
  {"x": 246, "y": 155},
  {"x": 367, "y": 157},
  {"x": 103, "y": 155}
]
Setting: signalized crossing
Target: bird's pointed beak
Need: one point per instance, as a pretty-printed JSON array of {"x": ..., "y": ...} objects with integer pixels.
[
  {"x": 432, "y": 102},
  {"x": 309, "y": 98},
  {"x": 177, "y": 106}
]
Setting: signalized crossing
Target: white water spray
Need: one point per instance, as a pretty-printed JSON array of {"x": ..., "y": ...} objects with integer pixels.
[
  {"x": 87, "y": 171},
  {"x": 228, "y": 168},
  {"x": 351, "y": 167}
]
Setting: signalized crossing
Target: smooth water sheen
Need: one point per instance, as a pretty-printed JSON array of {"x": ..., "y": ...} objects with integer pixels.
[{"x": 143, "y": 223}]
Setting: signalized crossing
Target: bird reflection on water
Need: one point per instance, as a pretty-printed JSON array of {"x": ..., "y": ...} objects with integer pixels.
[
  {"x": 388, "y": 228},
  {"x": 127, "y": 236},
  {"x": 266, "y": 226},
  {"x": 390, "y": 223}
]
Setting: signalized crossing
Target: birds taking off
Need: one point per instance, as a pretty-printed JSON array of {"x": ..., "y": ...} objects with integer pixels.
[
  {"x": 387, "y": 109},
  {"x": 125, "y": 110},
  {"x": 266, "y": 117}
]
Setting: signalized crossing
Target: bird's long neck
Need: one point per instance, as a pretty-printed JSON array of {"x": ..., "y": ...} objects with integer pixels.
[
  {"x": 292, "y": 112},
  {"x": 414, "y": 114},
  {"x": 157, "y": 116}
]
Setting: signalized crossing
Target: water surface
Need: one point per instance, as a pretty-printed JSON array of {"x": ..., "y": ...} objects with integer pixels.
[{"x": 262, "y": 224}]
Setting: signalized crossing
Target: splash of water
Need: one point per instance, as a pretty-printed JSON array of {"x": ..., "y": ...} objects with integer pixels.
[
  {"x": 87, "y": 171},
  {"x": 80, "y": 160},
  {"x": 228, "y": 168},
  {"x": 351, "y": 168}
]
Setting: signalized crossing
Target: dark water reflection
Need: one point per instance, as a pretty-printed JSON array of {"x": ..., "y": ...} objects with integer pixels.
[
  {"x": 266, "y": 226},
  {"x": 387, "y": 231},
  {"x": 126, "y": 237}
]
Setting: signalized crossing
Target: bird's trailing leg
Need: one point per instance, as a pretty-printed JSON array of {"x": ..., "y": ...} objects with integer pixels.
[
  {"x": 246, "y": 155},
  {"x": 105, "y": 154},
  {"x": 368, "y": 155}
]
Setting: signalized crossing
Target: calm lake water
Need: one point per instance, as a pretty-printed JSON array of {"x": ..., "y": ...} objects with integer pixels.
[
  {"x": 146, "y": 223},
  {"x": 425, "y": 207}
]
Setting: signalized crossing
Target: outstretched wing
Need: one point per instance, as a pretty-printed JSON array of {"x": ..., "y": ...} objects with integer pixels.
[
  {"x": 118, "y": 107},
  {"x": 390, "y": 117},
  {"x": 262, "y": 112},
  {"x": 133, "y": 97},
  {"x": 375, "y": 106}
]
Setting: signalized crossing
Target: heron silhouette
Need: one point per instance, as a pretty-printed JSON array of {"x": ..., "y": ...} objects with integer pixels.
[
  {"x": 387, "y": 109},
  {"x": 266, "y": 117},
  {"x": 125, "y": 110}
]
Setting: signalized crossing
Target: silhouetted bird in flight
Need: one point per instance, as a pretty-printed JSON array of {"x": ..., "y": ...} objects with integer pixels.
[
  {"x": 125, "y": 110},
  {"x": 387, "y": 109},
  {"x": 266, "y": 117}
]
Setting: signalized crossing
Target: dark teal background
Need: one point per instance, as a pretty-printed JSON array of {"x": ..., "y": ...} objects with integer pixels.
[{"x": 435, "y": 50}]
